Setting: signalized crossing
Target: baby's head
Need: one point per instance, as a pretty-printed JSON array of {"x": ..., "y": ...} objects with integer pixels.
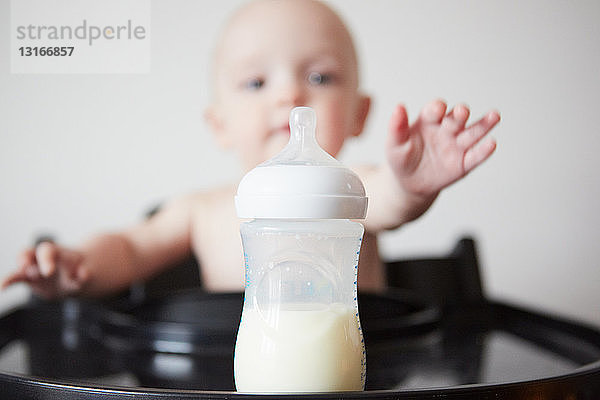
[{"x": 274, "y": 55}]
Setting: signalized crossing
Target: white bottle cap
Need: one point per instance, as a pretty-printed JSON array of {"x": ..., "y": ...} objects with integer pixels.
[{"x": 302, "y": 181}]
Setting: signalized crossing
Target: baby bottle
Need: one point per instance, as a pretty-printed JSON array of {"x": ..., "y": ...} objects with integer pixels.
[{"x": 300, "y": 329}]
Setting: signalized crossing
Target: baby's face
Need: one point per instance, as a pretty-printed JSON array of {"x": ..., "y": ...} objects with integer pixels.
[{"x": 274, "y": 56}]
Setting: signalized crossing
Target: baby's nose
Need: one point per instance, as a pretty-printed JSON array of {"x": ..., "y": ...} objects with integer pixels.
[{"x": 291, "y": 93}]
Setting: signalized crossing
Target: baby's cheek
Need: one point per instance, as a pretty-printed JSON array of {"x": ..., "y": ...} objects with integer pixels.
[
  {"x": 330, "y": 139},
  {"x": 249, "y": 154},
  {"x": 339, "y": 127}
]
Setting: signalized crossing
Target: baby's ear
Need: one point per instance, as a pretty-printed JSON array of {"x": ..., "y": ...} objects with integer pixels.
[
  {"x": 363, "y": 105},
  {"x": 215, "y": 120}
]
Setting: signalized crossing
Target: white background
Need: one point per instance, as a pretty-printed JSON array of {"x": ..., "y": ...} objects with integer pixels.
[{"x": 87, "y": 153}]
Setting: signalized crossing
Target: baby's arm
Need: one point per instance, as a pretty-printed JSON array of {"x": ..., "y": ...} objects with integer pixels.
[
  {"x": 108, "y": 262},
  {"x": 424, "y": 158}
]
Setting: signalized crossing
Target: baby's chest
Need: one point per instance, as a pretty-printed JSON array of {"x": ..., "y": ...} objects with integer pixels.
[{"x": 217, "y": 245}]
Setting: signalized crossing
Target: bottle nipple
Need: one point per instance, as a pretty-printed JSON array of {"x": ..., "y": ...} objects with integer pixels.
[
  {"x": 303, "y": 148},
  {"x": 302, "y": 180},
  {"x": 303, "y": 117},
  {"x": 303, "y": 121}
]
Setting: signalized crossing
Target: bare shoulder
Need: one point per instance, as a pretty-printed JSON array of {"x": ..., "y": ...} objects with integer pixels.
[
  {"x": 209, "y": 207},
  {"x": 208, "y": 201},
  {"x": 200, "y": 201}
]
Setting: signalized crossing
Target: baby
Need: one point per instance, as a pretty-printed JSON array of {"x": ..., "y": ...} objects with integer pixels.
[{"x": 271, "y": 57}]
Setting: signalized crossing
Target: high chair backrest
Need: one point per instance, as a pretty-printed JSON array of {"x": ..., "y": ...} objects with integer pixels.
[{"x": 452, "y": 280}]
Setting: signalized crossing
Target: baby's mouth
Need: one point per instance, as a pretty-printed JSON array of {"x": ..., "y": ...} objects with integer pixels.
[
  {"x": 278, "y": 139},
  {"x": 283, "y": 131}
]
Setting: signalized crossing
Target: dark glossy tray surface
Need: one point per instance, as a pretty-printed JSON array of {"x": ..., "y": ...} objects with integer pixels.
[{"x": 181, "y": 346}]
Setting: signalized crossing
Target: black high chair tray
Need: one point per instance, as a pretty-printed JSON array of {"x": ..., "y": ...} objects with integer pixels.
[{"x": 181, "y": 347}]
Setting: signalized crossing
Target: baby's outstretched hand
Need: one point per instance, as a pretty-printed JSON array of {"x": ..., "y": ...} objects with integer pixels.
[
  {"x": 51, "y": 270},
  {"x": 438, "y": 149}
]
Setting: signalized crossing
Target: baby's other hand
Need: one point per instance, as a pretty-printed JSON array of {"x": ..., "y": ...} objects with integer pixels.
[
  {"x": 438, "y": 149},
  {"x": 52, "y": 271}
]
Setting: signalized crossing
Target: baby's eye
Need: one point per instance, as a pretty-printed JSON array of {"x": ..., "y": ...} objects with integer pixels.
[
  {"x": 317, "y": 78},
  {"x": 254, "y": 83}
]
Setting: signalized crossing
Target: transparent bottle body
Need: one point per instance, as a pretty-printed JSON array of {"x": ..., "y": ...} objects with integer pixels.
[{"x": 300, "y": 328}]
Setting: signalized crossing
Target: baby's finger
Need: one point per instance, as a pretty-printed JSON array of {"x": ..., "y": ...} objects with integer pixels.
[
  {"x": 46, "y": 254},
  {"x": 478, "y": 154},
  {"x": 32, "y": 272},
  {"x": 478, "y": 130},
  {"x": 11, "y": 280},
  {"x": 69, "y": 285},
  {"x": 454, "y": 122},
  {"x": 399, "y": 129},
  {"x": 27, "y": 257},
  {"x": 433, "y": 112},
  {"x": 18, "y": 276},
  {"x": 70, "y": 260}
]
